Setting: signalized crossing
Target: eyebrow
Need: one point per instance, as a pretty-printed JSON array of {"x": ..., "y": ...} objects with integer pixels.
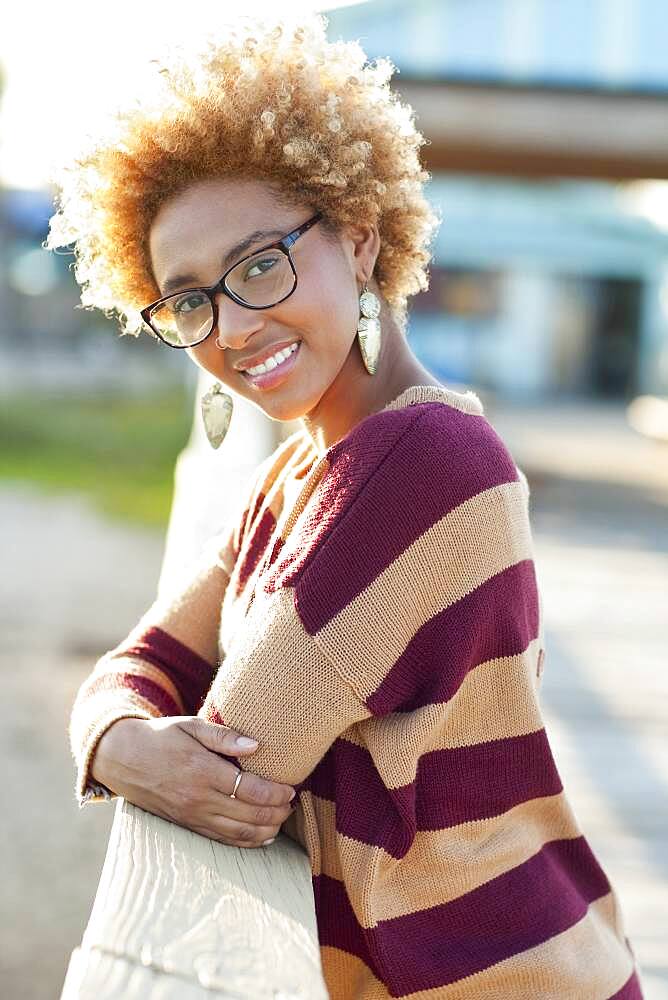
[{"x": 183, "y": 280}]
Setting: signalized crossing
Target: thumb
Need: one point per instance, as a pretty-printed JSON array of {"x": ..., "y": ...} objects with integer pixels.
[{"x": 219, "y": 739}]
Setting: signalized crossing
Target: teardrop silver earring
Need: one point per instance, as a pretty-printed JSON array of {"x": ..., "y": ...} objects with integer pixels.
[
  {"x": 368, "y": 329},
  {"x": 217, "y": 409}
]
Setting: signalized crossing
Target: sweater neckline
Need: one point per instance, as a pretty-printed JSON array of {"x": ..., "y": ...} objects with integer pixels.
[{"x": 467, "y": 402}]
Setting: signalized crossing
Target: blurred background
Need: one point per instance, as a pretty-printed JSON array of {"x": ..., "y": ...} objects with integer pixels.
[{"x": 547, "y": 123}]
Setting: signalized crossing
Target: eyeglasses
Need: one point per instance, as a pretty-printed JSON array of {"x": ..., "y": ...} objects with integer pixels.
[{"x": 261, "y": 280}]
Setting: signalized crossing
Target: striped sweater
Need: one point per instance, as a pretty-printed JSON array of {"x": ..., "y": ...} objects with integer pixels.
[{"x": 372, "y": 616}]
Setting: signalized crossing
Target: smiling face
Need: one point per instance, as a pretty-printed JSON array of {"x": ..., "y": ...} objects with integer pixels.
[{"x": 191, "y": 237}]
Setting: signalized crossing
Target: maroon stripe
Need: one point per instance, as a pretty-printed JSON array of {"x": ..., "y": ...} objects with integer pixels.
[
  {"x": 484, "y": 780},
  {"x": 276, "y": 550},
  {"x": 631, "y": 990},
  {"x": 499, "y": 618},
  {"x": 452, "y": 786},
  {"x": 518, "y": 910},
  {"x": 253, "y": 507},
  {"x": 337, "y": 924},
  {"x": 365, "y": 809},
  {"x": 213, "y": 715},
  {"x": 444, "y": 458},
  {"x": 142, "y": 685},
  {"x": 350, "y": 464},
  {"x": 190, "y": 673},
  {"x": 255, "y": 547},
  {"x": 239, "y": 534}
]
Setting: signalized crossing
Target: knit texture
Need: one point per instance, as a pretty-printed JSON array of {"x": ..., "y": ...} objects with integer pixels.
[{"x": 372, "y": 616}]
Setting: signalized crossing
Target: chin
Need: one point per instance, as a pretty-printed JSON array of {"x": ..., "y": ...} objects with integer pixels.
[
  {"x": 283, "y": 411},
  {"x": 292, "y": 406}
]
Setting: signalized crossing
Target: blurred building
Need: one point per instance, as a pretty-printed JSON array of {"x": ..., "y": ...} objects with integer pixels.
[
  {"x": 550, "y": 275},
  {"x": 544, "y": 120},
  {"x": 544, "y": 290}
]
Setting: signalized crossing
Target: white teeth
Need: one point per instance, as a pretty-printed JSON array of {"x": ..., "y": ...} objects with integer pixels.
[{"x": 273, "y": 361}]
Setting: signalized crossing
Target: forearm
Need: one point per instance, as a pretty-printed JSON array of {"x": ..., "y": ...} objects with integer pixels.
[
  {"x": 153, "y": 676},
  {"x": 94, "y": 712},
  {"x": 108, "y": 762},
  {"x": 164, "y": 667}
]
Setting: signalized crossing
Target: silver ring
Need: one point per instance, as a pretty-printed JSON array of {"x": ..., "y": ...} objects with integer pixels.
[{"x": 237, "y": 780}]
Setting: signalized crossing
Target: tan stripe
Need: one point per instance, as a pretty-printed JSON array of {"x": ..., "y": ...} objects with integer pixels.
[
  {"x": 289, "y": 458},
  {"x": 273, "y": 486},
  {"x": 86, "y": 717},
  {"x": 134, "y": 665},
  {"x": 589, "y": 961},
  {"x": 496, "y": 700},
  {"x": 277, "y": 686},
  {"x": 440, "y": 865},
  {"x": 348, "y": 978},
  {"x": 315, "y": 822},
  {"x": 479, "y": 538},
  {"x": 296, "y": 491},
  {"x": 467, "y": 402},
  {"x": 299, "y": 503},
  {"x": 190, "y": 614}
]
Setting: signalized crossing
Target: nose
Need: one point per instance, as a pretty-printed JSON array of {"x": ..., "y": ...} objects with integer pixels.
[{"x": 235, "y": 323}]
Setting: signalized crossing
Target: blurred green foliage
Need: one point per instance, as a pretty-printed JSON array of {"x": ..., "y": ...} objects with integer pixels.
[{"x": 120, "y": 452}]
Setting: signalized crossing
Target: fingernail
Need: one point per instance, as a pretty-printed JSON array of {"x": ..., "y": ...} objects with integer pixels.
[
  {"x": 245, "y": 742},
  {"x": 294, "y": 792},
  {"x": 270, "y": 841}
]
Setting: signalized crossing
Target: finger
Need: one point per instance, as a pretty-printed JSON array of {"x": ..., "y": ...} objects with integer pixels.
[
  {"x": 256, "y": 790},
  {"x": 254, "y": 847},
  {"x": 249, "y": 813},
  {"x": 219, "y": 739},
  {"x": 242, "y": 834}
]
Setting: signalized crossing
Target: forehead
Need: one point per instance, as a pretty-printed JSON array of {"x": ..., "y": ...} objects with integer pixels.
[{"x": 195, "y": 227}]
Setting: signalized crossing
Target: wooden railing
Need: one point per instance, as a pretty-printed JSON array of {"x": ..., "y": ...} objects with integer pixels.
[{"x": 180, "y": 917}]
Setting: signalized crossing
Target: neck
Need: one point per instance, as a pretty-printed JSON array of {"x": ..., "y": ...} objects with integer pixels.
[{"x": 354, "y": 394}]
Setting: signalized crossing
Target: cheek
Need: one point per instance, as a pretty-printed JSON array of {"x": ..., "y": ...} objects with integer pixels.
[
  {"x": 335, "y": 307},
  {"x": 204, "y": 357}
]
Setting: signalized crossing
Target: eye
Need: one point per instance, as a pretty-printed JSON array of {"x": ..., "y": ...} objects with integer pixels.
[
  {"x": 188, "y": 303},
  {"x": 260, "y": 266}
]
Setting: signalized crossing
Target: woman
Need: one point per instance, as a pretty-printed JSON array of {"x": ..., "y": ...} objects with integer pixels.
[{"x": 375, "y": 601}]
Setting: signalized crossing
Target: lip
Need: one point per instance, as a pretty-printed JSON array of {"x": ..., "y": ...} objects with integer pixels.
[
  {"x": 272, "y": 378},
  {"x": 257, "y": 359}
]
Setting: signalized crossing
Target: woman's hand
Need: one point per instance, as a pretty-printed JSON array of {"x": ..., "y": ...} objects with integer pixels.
[{"x": 170, "y": 767}]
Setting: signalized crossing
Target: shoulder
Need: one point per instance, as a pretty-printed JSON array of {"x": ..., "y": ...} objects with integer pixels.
[
  {"x": 442, "y": 447},
  {"x": 384, "y": 486}
]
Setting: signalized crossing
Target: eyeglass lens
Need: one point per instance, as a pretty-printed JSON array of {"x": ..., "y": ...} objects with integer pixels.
[{"x": 262, "y": 280}]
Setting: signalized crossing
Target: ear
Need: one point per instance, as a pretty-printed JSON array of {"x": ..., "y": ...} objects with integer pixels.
[{"x": 362, "y": 242}]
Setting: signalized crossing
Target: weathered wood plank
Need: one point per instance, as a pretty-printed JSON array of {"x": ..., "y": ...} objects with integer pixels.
[{"x": 177, "y": 915}]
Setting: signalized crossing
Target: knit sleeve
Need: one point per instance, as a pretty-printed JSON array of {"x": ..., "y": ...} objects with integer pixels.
[
  {"x": 412, "y": 559},
  {"x": 163, "y": 667}
]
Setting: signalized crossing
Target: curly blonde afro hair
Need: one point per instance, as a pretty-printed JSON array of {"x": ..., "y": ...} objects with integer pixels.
[{"x": 274, "y": 101}]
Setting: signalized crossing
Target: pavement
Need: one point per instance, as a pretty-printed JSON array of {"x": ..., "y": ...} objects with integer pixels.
[
  {"x": 75, "y": 583},
  {"x": 599, "y": 514}
]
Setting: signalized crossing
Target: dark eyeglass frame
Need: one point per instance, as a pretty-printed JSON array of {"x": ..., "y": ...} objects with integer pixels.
[{"x": 284, "y": 244}]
